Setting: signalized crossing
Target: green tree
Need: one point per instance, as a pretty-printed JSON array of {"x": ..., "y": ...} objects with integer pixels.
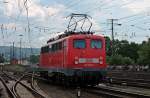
[
  {"x": 127, "y": 49},
  {"x": 144, "y": 53},
  {"x": 34, "y": 59},
  {"x": 2, "y": 58},
  {"x": 127, "y": 61},
  {"x": 108, "y": 45},
  {"x": 119, "y": 60},
  {"x": 115, "y": 60}
]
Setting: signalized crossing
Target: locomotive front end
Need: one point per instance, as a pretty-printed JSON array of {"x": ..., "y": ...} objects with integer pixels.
[{"x": 87, "y": 58}]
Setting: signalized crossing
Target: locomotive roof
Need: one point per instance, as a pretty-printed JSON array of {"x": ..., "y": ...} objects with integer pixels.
[
  {"x": 70, "y": 34},
  {"x": 57, "y": 39}
]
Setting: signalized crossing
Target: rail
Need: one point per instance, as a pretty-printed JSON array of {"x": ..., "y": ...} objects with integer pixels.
[{"x": 36, "y": 93}]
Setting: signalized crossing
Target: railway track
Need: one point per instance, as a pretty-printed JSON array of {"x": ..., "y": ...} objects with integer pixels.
[
  {"x": 9, "y": 91},
  {"x": 131, "y": 82},
  {"x": 129, "y": 78},
  {"x": 129, "y": 74},
  {"x": 110, "y": 91},
  {"x": 107, "y": 91},
  {"x": 13, "y": 90},
  {"x": 115, "y": 92}
]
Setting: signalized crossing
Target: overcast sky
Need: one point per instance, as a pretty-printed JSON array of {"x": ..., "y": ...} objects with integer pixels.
[{"x": 133, "y": 15}]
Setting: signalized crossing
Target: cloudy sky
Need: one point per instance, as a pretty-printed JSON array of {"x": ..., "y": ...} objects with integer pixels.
[{"x": 48, "y": 17}]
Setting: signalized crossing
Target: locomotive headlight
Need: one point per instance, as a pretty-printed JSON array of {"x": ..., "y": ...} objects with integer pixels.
[
  {"x": 76, "y": 62},
  {"x": 101, "y": 60}
]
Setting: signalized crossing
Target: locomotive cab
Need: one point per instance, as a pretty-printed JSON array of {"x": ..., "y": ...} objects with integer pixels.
[
  {"x": 86, "y": 57},
  {"x": 86, "y": 52}
]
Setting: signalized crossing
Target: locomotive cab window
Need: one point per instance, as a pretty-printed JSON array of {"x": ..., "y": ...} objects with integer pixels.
[
  {"x": 96, "y": 43},
  {"x": 56, "y": 46},
  {"x": 79, "y": 43},
  {"x": 45, "y": 49}
]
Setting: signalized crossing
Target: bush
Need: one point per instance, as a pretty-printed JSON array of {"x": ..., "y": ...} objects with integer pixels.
[
  {"x": 127, "y": 61},
  {"x": 119, "y": 60},
  {"x": 115, "y": 60}
]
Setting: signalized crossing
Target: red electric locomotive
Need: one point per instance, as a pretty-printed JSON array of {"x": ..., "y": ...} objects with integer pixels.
[{"x": 75, "y": 57}]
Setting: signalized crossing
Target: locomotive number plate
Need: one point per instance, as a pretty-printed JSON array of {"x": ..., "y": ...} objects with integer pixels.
[{"x": 89, "y": 60}]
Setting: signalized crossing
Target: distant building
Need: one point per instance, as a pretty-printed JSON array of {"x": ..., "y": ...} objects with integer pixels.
[
  {"x": 25, "y": 62},
  {"x": 14, "y": 61}
]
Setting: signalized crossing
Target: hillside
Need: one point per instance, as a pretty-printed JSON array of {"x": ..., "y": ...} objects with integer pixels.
[{"x": 25, "y": 52}]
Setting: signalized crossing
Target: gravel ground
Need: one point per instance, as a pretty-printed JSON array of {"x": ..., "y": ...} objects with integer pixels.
[
  {"x": 24, "y": 93},
  {"x": 40, "y": 90},
  {"x": 4, "y": 92},
  {"x": 20, "y": 90},
  {"x": 54, "y": 91},
  {"x": 36, "y": 87}
]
